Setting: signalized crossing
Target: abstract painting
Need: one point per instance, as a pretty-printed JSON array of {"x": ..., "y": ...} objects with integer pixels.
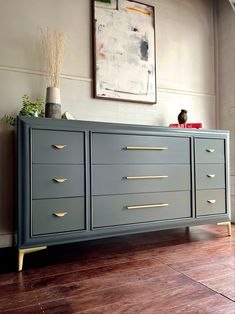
[{"x": 124, "y": 51}]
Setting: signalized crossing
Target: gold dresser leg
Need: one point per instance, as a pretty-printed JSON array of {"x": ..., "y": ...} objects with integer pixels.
[
  {"x": 22, "y": 252},
  {"x": 228, "y": 224}
]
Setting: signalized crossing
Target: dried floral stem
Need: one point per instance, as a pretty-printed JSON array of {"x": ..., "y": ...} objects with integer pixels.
[{"x": 53, "y": 50}]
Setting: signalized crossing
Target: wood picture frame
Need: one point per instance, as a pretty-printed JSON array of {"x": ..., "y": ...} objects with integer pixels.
[{"x": 124, "y": 52}]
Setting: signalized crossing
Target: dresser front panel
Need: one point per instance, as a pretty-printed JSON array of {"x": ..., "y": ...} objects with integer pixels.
[
  {"x": 210, "y": 176},
  {"x": 209, "y": 150},
  {"x": 45, "y": 177},
  {"x": 113, "y": 210},
  {"x": 81, "y": 180},
  {"x": 121, "y": 179},
  {"x": 58, "y": 215},
  {"x": 133, "y": 149},
  {"x": 210, "y": 202},
  {"x": 55, "y": 147}
]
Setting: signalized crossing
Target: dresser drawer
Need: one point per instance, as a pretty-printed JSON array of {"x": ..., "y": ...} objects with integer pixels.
[
  {"x": 52, "y": 181},
  {"x": 209, "y": 150},
  {"x": 54, "y": 147},
  {"x": 132, "y": 149},
  {"x": 138, "y": 208},
  {"x": 58, "y": 215},
  {"x": 210, "y": 176},
  {"x": 209, "y": 202},
  {"x": 121, "y": 179}
]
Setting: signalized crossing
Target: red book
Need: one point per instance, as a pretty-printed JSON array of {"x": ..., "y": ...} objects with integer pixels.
[{"x": 186, "y": 125}]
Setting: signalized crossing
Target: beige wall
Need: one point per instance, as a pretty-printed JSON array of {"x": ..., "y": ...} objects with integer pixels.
[
  {"x": 185, "y": 71},
  {"x": 226, "y": 80}
]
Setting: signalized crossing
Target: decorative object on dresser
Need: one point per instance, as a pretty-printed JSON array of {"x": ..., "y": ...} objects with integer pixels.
[
  {"x": 29, "y": 108},
  {"x": 124, "y": 51},
  {"x": 197, "y": 125},
  {"x": 182, "y": 117},
  {"x": 53, "y": 49},
  {"x": 82, "y": 180},
  {"x": 67, "y": 115},
  {"x": 53, "y": 103}
]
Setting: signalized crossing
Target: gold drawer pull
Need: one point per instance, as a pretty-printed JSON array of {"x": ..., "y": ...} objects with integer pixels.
[
  {"x": 145, "y": 177},
  {"x": 60, "y": 214},
  {"x": 145, "y": 148},
  {"x": 210, "y": 175},
  {"x": 210, "y": 150},
  {"x": 59, "y": 146},
  {"x": 147, "y": 206},
  {"x": 211, "y": 201},
  {"x": 60, "y": 180}
]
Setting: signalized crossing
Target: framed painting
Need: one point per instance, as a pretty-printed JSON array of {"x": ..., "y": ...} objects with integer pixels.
[{"x": 124, "y": 51}]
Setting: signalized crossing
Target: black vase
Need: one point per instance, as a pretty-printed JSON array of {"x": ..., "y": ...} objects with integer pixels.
[{"x": 182, "y": 117}]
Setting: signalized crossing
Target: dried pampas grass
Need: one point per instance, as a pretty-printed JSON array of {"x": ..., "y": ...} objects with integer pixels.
[{"x": 53, "y": 51}]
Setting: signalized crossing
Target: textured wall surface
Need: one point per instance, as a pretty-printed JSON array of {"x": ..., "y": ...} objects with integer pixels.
[
  {"x": 185, "y": 71},
  {"x": 226, "y": 80}
]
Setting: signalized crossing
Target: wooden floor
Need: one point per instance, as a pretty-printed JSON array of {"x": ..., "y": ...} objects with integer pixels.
[{"x": 171, "y": 271}]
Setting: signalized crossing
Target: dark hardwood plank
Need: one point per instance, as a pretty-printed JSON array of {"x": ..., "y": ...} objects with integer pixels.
[
  {"x": 210, "y": 305},
  {"x": 17, "y": 299},
  {"x": 224, "y": 285},
  {"x": 81, "y": 263},
  {"x": 35, "y": 309},
  {"x": 180, "y": 290},
  {"x": 171, "y": 271},
  {"x": 100, "y": 281},
  {"x": 83, "y": 281}
]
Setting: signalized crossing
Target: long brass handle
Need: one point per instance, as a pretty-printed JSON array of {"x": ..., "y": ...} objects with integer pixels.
[
  {"x": 211, "y": 201},
  {"x": 60, "y": 214},
  {"x": 59, "y": 146},
  {"x": 145, "y": 177},
  {"x": 60, "y": 180},
  {"x": 147, "y": 206},
  {"x": 210, "y": 175},
  {"x": 210, "y": 150},
  {"x": 145, "y": 148}
]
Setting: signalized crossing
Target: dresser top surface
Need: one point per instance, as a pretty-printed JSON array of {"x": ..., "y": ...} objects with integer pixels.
[{"x": 49, "y": 123}]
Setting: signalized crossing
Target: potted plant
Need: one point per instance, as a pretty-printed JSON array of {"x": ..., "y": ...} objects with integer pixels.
[{"x": 29, "y": 108}]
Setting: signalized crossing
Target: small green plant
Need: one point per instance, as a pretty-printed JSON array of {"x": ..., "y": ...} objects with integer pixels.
[
  {"x": 29, "y": 108},
  {"x": 9, "y": 120}
]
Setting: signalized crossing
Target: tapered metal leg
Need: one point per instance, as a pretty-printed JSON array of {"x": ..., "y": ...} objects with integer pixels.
[
  {"x": 228, "y": 224},
  {"x": 22, "y": 252}
]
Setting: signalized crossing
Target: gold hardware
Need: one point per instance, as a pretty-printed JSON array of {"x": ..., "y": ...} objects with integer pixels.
[
  {"x": 145, "y": 148},
  {"x": 146, "y": 177},
  {"x": 60, "y": 214},
  {"x": 60, "y": 180},
  {"x": 59, "y": 146},
  {"x": 22, "y": 252},
  {"x": 228, "y": 224},
  {"x": 147, "y": 206},
  {"x": 211, "y": 201},
  {"x": 210, "y": 175},
  {"x": 209, "y": 150}
]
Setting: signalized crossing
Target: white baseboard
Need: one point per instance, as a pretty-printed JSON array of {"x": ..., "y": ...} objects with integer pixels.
[
  {"x": 233, "y": 208},
  {"x": 6, "y": 240}
]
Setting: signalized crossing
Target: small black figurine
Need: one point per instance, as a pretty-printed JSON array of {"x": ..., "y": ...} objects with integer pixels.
[{"x": 182, "y": 117}]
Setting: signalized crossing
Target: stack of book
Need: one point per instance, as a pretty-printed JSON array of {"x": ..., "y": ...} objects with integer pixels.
[{"x": 186, "y": 125}]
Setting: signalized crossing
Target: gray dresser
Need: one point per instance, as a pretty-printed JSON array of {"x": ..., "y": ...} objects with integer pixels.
[{"x": 86, "y": 180}]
